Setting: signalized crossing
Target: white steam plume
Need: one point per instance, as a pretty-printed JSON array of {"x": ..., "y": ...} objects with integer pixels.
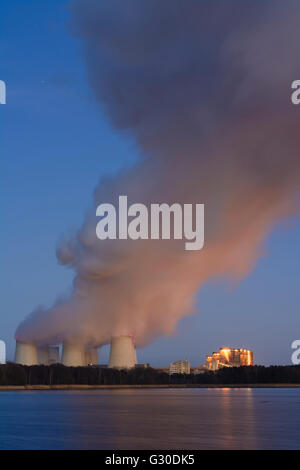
[{"x": 204, "y": 88}]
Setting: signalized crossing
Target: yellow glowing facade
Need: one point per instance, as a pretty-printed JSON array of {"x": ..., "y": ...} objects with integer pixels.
[{"x": 229, "y": 357}]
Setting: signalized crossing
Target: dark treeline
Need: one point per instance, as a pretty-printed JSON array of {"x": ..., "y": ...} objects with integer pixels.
[{"x": 57, "y": 374}]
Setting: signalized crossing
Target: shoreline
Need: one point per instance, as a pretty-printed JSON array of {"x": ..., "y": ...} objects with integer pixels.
[{"x": 124, "y": 387}]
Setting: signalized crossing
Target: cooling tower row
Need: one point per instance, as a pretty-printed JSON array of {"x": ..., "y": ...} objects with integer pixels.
[
  {"x": 74, "y": 354},
  {"x": 122, "y": 354},
  {"x": 48, "y": 355},
  {"x": 30, "y": 354}
]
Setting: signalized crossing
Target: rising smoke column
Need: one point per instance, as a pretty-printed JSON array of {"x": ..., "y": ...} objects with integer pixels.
[{"x": 204, "y": 89}]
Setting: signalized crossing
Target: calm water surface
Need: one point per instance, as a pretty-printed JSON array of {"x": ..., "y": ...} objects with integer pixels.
[{"x": 151, "y": 419}]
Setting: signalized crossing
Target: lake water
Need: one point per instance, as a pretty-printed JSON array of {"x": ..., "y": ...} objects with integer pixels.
[{"x": 151, "y": 419}]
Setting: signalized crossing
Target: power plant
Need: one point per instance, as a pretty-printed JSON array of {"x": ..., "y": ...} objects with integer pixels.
[
  {"x": 43, "y": 355},
  {"x": 54, "y": 354},
  {"x": 91, "y": 356},
  {"x": 48, "y": 355},
  {"x": 122, "y": 356},
  {"x": 26, "y": 353},
  {"x": 73, "y": 354},
  {"x": 122, "y": 353}
]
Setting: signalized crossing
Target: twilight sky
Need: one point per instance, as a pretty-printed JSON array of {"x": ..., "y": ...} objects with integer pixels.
[{"x": 55, "y": 145}]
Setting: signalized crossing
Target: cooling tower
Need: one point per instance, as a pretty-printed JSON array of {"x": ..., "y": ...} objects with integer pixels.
[
  {"x": 73, "y": 354},
  {"x": 43, "y": 355},
  {"x": 122, "y": 353},
  {"x": 26, "y": 353},
  {"x": 91, "y": 356},
  {"x": 54, "y": 354}
]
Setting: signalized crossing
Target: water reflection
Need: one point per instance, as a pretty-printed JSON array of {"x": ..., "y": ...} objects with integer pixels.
[
  {"x": 237, "y": 419},
  {"x": 151, "y": 419}
]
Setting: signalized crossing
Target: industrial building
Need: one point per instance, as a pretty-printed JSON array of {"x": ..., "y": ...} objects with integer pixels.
[
  {"x": 198, "y": 370},
  {"x": 229, "y": 357},
  {"x": 180, "y": 367},
  {"x": 142, "y": 366}
]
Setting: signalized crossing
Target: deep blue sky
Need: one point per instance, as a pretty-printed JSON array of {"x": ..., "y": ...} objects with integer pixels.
[{"x": 55, "y": 145}]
